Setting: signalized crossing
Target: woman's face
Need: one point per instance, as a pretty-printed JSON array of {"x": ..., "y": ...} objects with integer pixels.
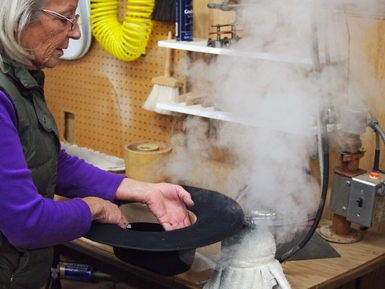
[{"x": 49, "y": 35}]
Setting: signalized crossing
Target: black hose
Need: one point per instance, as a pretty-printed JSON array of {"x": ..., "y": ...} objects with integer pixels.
[{"x": 321, "y": 205}]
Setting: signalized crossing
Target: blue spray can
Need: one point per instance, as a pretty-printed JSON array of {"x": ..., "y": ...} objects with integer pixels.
[
  {"x": 184, "y": 20},
  {"x": 79, "y": 272}
]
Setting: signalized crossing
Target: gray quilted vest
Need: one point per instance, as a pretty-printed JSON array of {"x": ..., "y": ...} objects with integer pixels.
[{"x": 21, "y": 268}]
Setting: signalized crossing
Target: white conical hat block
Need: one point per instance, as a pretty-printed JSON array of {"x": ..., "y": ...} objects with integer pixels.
[{"x": 248, "y": 261}]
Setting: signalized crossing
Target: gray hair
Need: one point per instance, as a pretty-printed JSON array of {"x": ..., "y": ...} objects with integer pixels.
[{"x": 15, "y": 16}]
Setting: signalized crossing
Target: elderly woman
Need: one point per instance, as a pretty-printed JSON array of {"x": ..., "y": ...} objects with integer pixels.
[{"x": 33, "y": 167}]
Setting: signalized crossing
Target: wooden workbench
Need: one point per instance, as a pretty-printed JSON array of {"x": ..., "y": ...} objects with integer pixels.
[{"x": 357, "y": 261}]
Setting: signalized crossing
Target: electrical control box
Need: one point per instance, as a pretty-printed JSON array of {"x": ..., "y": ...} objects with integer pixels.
[
  {"x": 340, "y": 194},
  {"x": 367, "y": 201}
]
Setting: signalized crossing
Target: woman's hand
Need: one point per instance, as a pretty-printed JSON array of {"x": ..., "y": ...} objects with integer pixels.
[
  {"x": 103, "y": 211},
  {"x": 166, "y": 201}
]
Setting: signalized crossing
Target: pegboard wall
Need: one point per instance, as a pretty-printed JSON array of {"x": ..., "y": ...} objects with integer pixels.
[
  {"x": 104, "y": 97},
  {"x": 97, "y": 99}
]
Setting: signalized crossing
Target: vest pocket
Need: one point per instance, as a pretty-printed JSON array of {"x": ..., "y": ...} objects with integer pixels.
[
  {"x": 34, "y": 268},
  {"x": 9, "y": 261}
]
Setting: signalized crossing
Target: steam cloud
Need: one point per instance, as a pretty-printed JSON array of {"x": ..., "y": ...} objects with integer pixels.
[{"x": 280, "y": 97}]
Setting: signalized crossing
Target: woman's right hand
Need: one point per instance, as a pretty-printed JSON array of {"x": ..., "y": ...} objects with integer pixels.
[{"x": 104, "y": 211}]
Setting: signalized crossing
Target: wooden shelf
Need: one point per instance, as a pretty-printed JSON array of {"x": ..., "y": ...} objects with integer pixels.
[
  {"x": 200, "y": 45},
  {"x": 210, "y": 112}
]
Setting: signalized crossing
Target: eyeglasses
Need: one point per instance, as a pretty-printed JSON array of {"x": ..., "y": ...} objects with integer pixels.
[{"x": 73, "y": 22}]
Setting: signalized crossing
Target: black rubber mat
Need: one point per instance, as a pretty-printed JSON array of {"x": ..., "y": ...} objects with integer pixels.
[{"x": 316, "y": 248}]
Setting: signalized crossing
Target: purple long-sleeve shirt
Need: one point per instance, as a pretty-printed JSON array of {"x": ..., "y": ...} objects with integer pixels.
[{"x": 26, "y": 218}]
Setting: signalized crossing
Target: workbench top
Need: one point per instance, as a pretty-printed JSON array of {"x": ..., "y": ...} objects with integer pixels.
[{"x": 356, "y": 260}]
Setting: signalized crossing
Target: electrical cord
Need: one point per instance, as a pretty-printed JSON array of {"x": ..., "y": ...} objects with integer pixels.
[{"x": 128, "y": 40}]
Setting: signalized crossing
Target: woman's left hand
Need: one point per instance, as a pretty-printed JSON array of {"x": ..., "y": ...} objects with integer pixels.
[{"x": 166, "y": 201}]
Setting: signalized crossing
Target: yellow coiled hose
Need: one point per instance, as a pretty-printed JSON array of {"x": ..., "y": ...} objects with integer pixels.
[{"x": 126, "y": 41}]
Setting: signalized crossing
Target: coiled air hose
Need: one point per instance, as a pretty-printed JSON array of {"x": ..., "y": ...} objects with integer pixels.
[{"x": 128, "y": 40}]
